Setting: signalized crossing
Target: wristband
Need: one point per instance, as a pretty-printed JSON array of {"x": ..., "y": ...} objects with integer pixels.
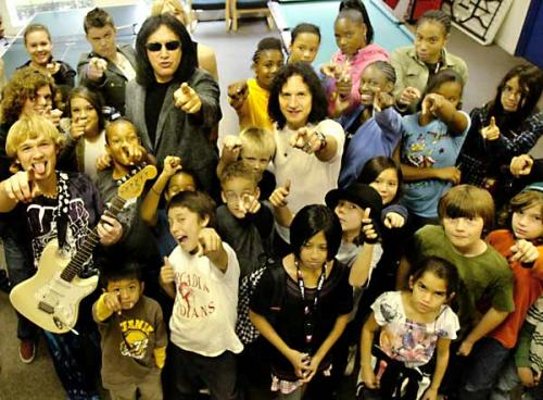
[{"x": 322, "y": 138}]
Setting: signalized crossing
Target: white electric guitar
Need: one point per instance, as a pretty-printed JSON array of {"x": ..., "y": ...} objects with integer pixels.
[{"x": 51, "y": 298}]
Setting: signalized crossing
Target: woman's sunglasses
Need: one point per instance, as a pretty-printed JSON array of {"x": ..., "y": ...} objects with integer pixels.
[{"x": 156, "y": 46}]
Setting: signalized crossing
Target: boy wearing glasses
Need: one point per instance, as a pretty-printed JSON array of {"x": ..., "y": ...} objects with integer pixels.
[
  {"x": 243, "y": 221},
  {"x": 133, "y": 334}
]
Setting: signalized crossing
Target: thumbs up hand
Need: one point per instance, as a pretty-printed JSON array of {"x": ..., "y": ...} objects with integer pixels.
[
  {"x": 187, "y": 99},
  {"x": 279, "y": 196},
  {"x": 491, "y": 132},
  {"x": 167, "y": 275},
  {"x": 368, "y": 230}
]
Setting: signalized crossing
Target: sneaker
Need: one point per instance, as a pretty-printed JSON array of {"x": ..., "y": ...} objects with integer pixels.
[{"x": 27, "y": 351}]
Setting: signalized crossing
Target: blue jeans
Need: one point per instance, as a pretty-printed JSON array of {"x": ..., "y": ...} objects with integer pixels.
[
  {"x": 218, "y": 374},
  {"x": 509, "y": 380},
  {"x": 20, "y": 267},
  {"x": 485, "y": 364}
]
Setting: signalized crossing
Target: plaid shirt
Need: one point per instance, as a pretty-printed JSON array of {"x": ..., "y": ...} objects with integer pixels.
[{"x": 480, "y": 159}]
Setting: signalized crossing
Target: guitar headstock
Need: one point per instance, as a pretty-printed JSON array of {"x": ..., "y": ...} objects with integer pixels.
[{"x": 134, "y": 186}]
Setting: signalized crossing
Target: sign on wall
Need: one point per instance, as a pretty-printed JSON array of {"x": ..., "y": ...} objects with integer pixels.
[{"x": 479, "y": 19}]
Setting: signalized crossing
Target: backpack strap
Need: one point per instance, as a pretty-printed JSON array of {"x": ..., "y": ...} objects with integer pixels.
[{"x": 279, "y": 283}]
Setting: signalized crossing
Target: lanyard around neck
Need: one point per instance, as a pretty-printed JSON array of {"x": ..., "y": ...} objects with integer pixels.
[
  {"x": 309, "y": 312},
  {"x": 301, "y": 283}
]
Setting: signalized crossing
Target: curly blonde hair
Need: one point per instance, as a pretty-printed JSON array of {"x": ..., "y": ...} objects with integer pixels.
[{"x": 22, "y": 86}]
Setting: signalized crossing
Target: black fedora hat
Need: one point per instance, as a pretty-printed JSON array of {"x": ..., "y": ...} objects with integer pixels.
[{"x": 362, "y": 195}]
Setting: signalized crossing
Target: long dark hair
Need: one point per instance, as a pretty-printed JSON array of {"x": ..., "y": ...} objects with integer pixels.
[
  {"x": 94, "y": 98},
  {"x": 144, "y": 71},
  {"x": 309, "y": 221},
  {"x": 310, "y": 78},
  {"x": 530, "y": 79}
]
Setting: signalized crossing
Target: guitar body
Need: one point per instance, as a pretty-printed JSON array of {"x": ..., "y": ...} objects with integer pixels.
[
  {"x": 51, "y": 298},
  {"x": 48, "y": 300}
]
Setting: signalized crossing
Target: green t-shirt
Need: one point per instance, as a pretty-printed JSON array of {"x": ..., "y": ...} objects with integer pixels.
[{"x": 486, "y": 280}]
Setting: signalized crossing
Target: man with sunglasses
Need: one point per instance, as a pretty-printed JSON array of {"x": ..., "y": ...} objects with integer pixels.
[
  {"x": 173, "y": 103},
  {"x": 108, "y": 67}
]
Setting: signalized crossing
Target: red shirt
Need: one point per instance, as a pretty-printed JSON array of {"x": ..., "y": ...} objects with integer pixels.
[{"x": 528, "y": 287}]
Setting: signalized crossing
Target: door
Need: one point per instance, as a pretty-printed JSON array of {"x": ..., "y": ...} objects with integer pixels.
[{"x": 529, "y": 44}]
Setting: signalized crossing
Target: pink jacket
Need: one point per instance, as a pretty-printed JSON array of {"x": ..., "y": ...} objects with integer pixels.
[{"x": 363, "y": 58}]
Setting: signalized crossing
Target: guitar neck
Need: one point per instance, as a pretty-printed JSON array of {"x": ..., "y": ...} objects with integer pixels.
[{"x": 84, "y": 253}]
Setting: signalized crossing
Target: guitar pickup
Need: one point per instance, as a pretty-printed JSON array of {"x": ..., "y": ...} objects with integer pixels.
[{"x": 46, "y": 307}]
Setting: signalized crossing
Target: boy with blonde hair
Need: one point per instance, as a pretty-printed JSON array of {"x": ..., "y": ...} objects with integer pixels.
[{"x": 256, "y": 147}]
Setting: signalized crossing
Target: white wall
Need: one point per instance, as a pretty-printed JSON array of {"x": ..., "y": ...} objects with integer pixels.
[{"x": 509, "y": 33}]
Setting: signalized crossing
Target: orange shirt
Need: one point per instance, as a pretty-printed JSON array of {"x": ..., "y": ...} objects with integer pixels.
[{"x": 528, "y": 287}]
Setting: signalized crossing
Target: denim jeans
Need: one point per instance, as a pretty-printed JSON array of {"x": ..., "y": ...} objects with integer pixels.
[
  {"x": 20, "y": 267},
  {"x": 485, "y": 364},
  {"x": 508, "y": 380}
]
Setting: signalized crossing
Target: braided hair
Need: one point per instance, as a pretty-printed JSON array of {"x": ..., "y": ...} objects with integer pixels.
[
  {"x": 268, "y": 43},
  {"x": 386, "y": 69},
  {"x": 438, "y": 16}
]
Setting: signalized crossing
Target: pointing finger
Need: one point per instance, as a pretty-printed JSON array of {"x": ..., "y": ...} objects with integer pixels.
[{"x": 185, "y": 88}]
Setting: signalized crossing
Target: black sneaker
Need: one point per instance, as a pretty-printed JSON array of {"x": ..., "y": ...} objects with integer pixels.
[{"x": 5, "y": 284}]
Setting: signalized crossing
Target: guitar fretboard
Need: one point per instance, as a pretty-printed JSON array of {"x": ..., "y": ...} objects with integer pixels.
[{"x": 84, "y": 253}]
